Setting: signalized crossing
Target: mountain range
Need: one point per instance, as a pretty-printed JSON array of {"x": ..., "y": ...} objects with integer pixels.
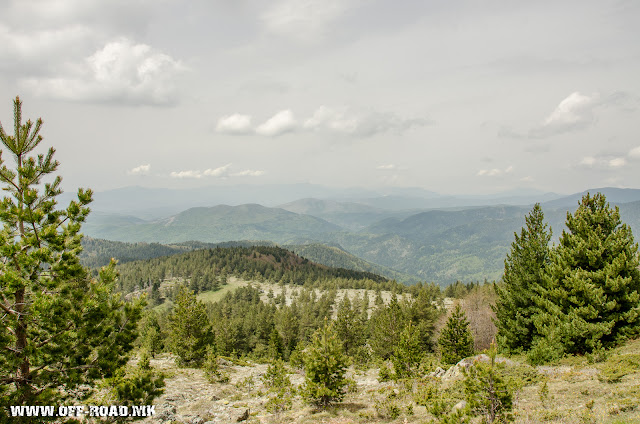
[{"x": 431, "y": 244}]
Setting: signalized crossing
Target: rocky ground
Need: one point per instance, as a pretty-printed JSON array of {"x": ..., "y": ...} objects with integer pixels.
[{"x": 577, "y": 393}]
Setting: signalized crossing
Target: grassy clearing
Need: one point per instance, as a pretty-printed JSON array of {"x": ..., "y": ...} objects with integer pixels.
[{"x": 214, "y": 296}]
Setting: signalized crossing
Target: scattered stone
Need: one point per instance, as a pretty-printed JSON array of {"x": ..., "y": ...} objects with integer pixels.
[
  {"x": 456, "y": 370},
  {"x": 458, "y": 406},
  {"x": 244, "y": 416},
  {"x": 439, "y": 372}
]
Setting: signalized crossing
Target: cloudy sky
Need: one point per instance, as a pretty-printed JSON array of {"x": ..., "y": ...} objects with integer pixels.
[{"x": 452, "y": 96}]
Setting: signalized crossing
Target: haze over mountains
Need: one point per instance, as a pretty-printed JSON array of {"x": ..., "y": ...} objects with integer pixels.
[{"x": 410, "y": 231}]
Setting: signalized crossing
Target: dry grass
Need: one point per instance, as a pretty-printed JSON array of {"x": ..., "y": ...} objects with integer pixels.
[{"x": 576, "y": 395}]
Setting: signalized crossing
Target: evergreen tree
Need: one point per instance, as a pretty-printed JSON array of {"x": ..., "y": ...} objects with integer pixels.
[
  {"x": 456, "y": 340},
  {"x": 58, "y": 328},
  {"x": 190, "y": 330},
  {"x": 349, "y": 327},
  {"x": 385, "y": 327},
  {"x": 276, "y": 348},
  {"x": 524, "y": 274},
  {"x": 325, "y": 366},
  {"x": 408, "y": 353},
  {"x": 487, "y": 392},
  {"x": 592, "y": 295}
]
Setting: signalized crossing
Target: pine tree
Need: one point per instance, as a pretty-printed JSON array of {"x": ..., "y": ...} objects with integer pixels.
[
  {"x": 456, "y": 340},
  {"x": 385, "y": 327},
  {"x": 190, "y": 329},
  {"x": 524, "y": 274},
  {"x": 487, "y": 392},
  {"x": 349, "y": 327},
  {"x": 408, "y": 353},
  {"x": 592, "y": 299},
  {"x": 325, "y": 366},
  {"x": 58, "y": 328}
]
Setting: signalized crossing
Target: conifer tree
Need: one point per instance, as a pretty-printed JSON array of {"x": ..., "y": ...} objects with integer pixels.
[
  {"x": 456, "y": 340},
  {"x": 349, "y": 327},
  {"x": 190, "y": 329},
  {"x": 324, "y": 366},
  {"x": 385, "y": 327},
  {"x": 408, "y": 353},
  {"x": 524, "y": 274},
  {"x": 592, "y": 297},
  {"x": 487, "y": 391},
  {"x": 58, "y": 328}
]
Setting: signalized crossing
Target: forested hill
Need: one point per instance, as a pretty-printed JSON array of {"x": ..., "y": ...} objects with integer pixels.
[
  {"x": 208, "y": 269},
  {"x": 335, "y": 256}
]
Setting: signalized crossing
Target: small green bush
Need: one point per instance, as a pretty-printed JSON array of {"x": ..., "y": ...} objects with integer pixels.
[{"x": 617, "y": 367}]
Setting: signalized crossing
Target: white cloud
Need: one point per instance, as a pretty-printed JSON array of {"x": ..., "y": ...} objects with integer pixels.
[
  {"x": 603, "y": 162},
  {"x": 389, "y": 167},
  {"x": 140, "y": 170},
  {"x": 573, "y": 113},
  {"x": 281, "y": 123},
  {"x": 617, "y": 162},
  {"x": 527, "y": 179},
  {"x": 27, "y": 51},
  {"x": 234, "y": 124},
  {"x": 588, "y": 161},
  {"x": 495, "y": 172},
  {"x": 248, "y": 173},
  {"x": 357, "y": 123},
  {"x": 186, "y": 174},
  {"x": 634, "y": 153},
  {"x": 222, "y": 171},
  {"x": 121, "y": 72},
  {"x": 304, "y": 20}
]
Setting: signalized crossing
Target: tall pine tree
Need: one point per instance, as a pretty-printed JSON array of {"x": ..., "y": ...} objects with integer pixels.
[
  {"x": 524, "y": 274},
  {"x": 456, "y": 340},
  {"x": 593, "y": 294},
  {"x": 190, "y": 329},
  {"x": 59, "y": 329}
]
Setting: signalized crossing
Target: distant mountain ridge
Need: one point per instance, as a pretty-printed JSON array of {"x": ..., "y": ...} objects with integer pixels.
[
  {"x": 215, "y": 224},
  {"x": 433, "y": 245}
]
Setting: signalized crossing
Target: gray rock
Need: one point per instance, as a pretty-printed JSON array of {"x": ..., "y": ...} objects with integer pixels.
[
  {"x": 460, "y": 405},
  {"x": 438, "y": 372},
  {"x": 456, "y": 370}
]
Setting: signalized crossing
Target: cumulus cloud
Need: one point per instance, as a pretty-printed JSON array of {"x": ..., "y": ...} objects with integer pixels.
[
  {"x": 280, "y": 123},
  {"x": 220, "y": 172},
  {"x": 357, "y": 123},
  {"x": 140, "y": 170},
  {"x": 603, "y": 162},
  {"x": 122, "y": 72},
  {"x": 248, "y": 173},
  {"x": 234, "y": 124},
  {"x": 186, "y": 174},
  {"x": 575, "y": 112},
  {"x": 617, "y": 162},
  {"x": 495, "y": 172}
]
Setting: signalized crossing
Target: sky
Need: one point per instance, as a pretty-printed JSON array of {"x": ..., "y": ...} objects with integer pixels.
[{"x": 456, "y": 97}]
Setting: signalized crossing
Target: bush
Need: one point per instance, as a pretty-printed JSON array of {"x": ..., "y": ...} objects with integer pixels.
[{"x": 487, "y": 392}]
